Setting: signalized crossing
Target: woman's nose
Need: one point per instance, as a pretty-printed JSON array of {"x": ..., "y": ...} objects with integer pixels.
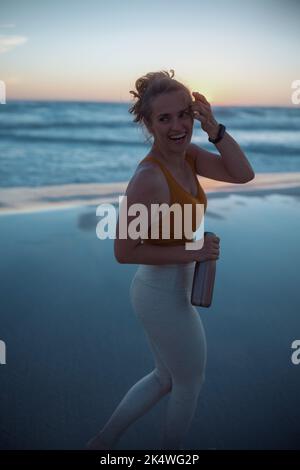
[{"x": 176, "y": 126}]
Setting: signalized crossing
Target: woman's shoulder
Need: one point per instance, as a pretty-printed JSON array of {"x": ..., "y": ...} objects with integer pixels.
[
  {"x": 147, "y": 179},
  {"x": 146, "y": 164},
  {"x": 148, "y": 168}
]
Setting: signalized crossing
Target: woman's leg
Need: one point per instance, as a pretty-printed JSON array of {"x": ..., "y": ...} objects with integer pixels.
[
  {"x": 175, "y": 328},
  {"x": 176, "y": 337},
  {"x": 137, "y": 401},
  {"x": 187, "y": 362}
]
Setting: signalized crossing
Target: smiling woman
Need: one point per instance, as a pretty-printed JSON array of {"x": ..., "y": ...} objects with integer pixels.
[
  {"x": 164, "y": 108},
  {"x": 172, "y": 131},
  {"x": 160, "y": 291}
]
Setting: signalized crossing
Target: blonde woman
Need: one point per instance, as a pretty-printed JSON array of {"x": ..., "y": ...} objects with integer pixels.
[{"x": 161, "y": 288}]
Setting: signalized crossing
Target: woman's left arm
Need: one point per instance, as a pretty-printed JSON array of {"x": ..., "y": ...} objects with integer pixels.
[{"x": 232, "y": 158}]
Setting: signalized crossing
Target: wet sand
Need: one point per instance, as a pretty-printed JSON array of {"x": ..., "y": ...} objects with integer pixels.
[
  {"x": 74, "y": 346},
  {"x": 23, "y": 199}
]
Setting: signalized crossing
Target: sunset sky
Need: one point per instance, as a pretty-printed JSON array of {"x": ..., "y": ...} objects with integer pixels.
[{"x": 234, "y": 52}]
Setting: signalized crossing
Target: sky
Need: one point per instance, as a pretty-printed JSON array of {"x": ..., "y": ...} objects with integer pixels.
[{"x": 233, "y": 51}]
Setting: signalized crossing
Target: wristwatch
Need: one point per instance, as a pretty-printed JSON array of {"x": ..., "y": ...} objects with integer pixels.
[{"x": 220, "y": 135}]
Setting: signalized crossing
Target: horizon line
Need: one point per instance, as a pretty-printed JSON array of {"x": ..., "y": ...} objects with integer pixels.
[{"x": 34, "y": 100}]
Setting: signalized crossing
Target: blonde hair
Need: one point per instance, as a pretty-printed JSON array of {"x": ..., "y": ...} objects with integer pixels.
[{"x": 147, "y": 88}]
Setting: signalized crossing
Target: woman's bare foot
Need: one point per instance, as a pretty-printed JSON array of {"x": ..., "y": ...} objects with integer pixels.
[{"x": 98, "y": 443}]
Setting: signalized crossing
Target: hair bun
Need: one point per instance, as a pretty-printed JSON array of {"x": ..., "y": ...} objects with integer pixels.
[{"x": 135, "y": 94}]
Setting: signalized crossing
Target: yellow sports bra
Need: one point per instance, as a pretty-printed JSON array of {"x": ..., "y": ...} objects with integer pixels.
[{"x": 180, "y": 196}]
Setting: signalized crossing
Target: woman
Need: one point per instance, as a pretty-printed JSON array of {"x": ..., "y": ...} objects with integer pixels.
[{"x": 161, "y": 288}]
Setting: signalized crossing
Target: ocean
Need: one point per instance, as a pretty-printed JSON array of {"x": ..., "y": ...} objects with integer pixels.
[{"x": 54, "y": 143}]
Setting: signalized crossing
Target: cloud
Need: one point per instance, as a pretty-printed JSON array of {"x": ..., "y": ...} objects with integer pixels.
[
  {"x": 7, "y": 25},
  {"x": 10, "y": 42}
]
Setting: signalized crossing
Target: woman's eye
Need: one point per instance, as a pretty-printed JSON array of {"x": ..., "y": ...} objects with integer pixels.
[{"x": 185, "y": 113}]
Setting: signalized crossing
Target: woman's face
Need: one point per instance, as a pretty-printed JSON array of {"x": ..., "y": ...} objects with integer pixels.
[{"x": 171, "y": 117}]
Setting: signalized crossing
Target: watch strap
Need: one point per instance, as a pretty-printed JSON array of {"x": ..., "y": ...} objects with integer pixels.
[{"x": 220, "y": 135}]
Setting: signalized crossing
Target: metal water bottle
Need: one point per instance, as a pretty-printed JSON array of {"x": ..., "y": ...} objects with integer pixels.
[{"x": 203, "y": 281}]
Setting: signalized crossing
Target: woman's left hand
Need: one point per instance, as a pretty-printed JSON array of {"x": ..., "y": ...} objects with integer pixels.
[{"x": 202, "y": 112}]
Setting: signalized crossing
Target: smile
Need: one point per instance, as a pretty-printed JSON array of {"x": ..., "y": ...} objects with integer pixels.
[{"x": 178, "y": 139}]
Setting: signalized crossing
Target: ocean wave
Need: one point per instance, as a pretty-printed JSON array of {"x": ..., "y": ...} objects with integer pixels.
[
  {"x": 69, "y": 140},
  {"x": 268, "y": 147},
  {"x": 65, "y": 125}
]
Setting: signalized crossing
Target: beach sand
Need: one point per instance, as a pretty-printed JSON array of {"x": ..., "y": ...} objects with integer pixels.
[
  {"x": 74, "y": 346},
  {"x": 29, "y": 199}
]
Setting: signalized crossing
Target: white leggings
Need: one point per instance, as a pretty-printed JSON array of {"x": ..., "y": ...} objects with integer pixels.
[{"x": 160, "y": 297}]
